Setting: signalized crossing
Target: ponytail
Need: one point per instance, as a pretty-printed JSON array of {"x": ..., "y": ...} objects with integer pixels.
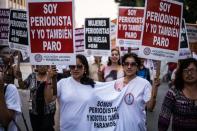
[{"x": 87, "y": 81}]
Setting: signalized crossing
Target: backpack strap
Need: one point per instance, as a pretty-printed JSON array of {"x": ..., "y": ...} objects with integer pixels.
[{"x": 4, "y": 91}]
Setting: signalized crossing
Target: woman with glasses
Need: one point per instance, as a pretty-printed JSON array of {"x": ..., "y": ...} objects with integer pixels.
[
  {"x": 137, "y": 96},
  {"x": 113, "y": 70},
  {"x": 180, "y": 102},
  {"x": 73, "y": 92}
]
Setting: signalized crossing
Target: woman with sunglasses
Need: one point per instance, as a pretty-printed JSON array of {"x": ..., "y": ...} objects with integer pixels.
[
  {"x": 73, "y": 92},
  {"x": 137, "y": 96},
  {"x": 113, "y": 70}
]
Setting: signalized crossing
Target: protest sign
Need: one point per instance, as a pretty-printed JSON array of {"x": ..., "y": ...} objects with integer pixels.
[
  {"x": 113, "y": 33},
  {"x": 162, "y": 29},
  {"x": 97, "y": 36},
  {"x": 184, "y": 50},
  {"x": 124, "y": 50},
  {"x": 4, "y": 26},
  {"x": 51, "y": 32},
  {"x": 192, "y": 32},
  {"x": 130, "y": 22},
  {"x": 192, "y": 35},
  {"x": 79, "y": 41},
  {"x": 18, "y": 36}
]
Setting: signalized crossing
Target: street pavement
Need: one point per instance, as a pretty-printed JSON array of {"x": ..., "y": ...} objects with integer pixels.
[{"x": 152, "y": 117}]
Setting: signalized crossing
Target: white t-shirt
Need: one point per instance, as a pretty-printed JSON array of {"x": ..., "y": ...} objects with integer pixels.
[
  {"x": 133, "y": 115},
  {"x": 72, "y": 97},
  {"x": 13, "y": 102},
  {"x": 103, "y": 108}
]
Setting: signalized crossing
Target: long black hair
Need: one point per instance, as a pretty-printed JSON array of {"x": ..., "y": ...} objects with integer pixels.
[
  {"x": 183, "y": 64},
  {"x": 86, "y": 80}
]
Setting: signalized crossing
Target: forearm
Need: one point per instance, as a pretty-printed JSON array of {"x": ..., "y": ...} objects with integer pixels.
[
  {"x": 50, "y": 90},
  {"x": 5, "y": 115},
  {"x": 54, "y": 86},
  {"x": 21, "y": 84},
  {"x": 152, "y": 102},
  {"x": 101, "y": 77}
]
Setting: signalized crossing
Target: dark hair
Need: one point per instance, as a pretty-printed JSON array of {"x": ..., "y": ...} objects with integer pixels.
[
  {"x": 112, "y": 74},
  {"x": 109, "y": 60},
  {"x": 178, "y": 82},
  {"x": 85, "y": 79},
  {"x": 132, "y": 55}
]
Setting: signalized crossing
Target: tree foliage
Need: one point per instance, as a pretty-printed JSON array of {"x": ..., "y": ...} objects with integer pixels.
[{"x": 189, "y": 7}]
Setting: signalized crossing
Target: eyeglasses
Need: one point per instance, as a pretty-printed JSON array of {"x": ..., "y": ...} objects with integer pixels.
[
  {"x": 191, "y": 70},
  {"x": 132, "y": 64},
  {"x": 72, "y": 67}
]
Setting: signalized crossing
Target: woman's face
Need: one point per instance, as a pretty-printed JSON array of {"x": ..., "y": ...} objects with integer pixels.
[
  {"x": 6, "y": 59},
  {"x": 97, "y": 59},
  {"x": 42, "y": 69},
  {"x": 77, "y": 70},
  {"x": 115, "y": 56},
  {"x": 190, "y": 74},
  {"x": 130, "y": 66}
]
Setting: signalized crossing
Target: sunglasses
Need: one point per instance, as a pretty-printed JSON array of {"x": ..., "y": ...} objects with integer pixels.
[
  {"x": 72, "y": 67},
  {"x": 130, "y": 64}
]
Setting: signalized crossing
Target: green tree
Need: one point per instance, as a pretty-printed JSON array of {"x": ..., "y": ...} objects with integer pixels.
[
  {"x": 190, "y": 11},
  {"x": 189, "y": 7}
]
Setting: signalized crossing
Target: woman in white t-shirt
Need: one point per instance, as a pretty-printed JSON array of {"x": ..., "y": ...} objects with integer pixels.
[
  {"x": 73, "y": 93},
  {"x": 137, "y": 96}
]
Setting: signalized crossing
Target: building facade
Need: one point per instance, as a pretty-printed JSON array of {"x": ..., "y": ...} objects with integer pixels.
[
  {"x": 10, "y": 4},
  {"x": 13, "y": 4}
]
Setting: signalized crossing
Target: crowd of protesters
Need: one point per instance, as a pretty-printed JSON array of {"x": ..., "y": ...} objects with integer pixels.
[{"x": 45, "y": 89}]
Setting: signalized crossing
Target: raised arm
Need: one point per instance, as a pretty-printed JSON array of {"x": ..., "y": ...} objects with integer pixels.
[
  {"x": 152, "y": 102},
  {"x": 50, "y": 91}
]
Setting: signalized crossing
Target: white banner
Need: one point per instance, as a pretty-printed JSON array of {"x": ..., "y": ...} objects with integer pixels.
[{"x": 106, "y": 107}]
